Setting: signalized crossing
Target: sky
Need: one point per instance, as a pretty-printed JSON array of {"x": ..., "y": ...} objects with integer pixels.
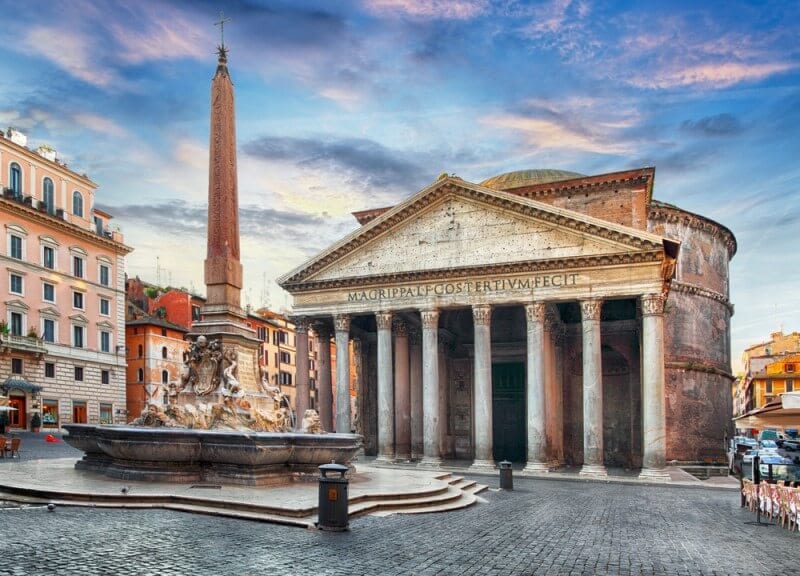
[{"x": 348, "y": 105}]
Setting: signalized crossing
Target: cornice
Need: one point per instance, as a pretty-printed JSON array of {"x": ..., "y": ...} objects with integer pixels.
[
  {"x": 601, "y": 182},
  {"x": 504, "y": 200},
  {"x": 660, "y": 211},
  {"x": 695, "y": 290},
  {"x": 482, "y": 270},
  {"x": 54, "y": 222},
  {"x": 32, "y": 156}
]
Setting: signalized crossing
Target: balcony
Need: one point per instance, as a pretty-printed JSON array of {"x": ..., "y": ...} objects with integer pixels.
[{"x": 9, "y": 342}]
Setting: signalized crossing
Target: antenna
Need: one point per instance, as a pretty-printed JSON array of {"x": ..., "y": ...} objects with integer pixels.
[{"x": 158, "y": 271}]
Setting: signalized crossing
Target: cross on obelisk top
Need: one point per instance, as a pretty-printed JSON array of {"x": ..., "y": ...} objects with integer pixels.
[{"x": 221, "y": 24}]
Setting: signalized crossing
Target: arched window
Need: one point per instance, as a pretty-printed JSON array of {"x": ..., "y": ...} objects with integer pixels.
[
  {"x": 77, "y": 204},
  {"x": 140, "y": 375},
  {"x": 164, "y": 377},
  {"x": 48, "y": 197},
  {"x": 140, "y": 351},
  {"x": 163, "y": 351},
  {"x": 15, "y": 178}
]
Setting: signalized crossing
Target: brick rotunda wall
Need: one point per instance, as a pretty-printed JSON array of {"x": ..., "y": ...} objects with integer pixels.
[{"x": 697, "y": 336}]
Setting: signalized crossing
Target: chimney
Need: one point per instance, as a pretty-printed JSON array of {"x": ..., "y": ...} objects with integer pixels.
[{"x": 17, "y": 137}]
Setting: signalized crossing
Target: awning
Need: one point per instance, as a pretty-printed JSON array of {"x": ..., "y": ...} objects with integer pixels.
[
  {"x": 783, "y": 413},
  {"x": 19, "y": 383}
]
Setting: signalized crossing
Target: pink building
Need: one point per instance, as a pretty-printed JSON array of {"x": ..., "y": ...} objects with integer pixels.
[{"x": 62, "y": 277}]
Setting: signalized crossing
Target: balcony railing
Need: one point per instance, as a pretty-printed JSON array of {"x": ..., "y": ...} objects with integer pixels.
[{"x": 22, "y": 344}]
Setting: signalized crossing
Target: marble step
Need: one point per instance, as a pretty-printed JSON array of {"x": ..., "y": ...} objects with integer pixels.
[
  {"x": 397, "y": 504},
  {"x": 464, "y": 500}
]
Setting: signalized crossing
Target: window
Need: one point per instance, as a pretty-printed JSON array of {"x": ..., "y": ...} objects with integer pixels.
[
  {"x": 16, "y": 365},
  {"x": 164, "y": 377},
  {"x": 79, "y": 373},
  {"x": 262, "y": 334},
  {"x": 16, "y": 246},
  {"x": 47, "y": 195},
  {"x": 77, "y": 266},
  {"x": 106, "y": 411},
  {"x": 15, "y": 284},
  {"x": 15, "y": 179},
  {"x": 105, "y": 341},
  {"x": 286, "y": 358},
  {"x": 139, "y": 350},
  {"x": 48, "y": 257},
  {"x": 163, "y": 331},
  {"x": 140, "y": 375},
  {"x": 77, "y": 336},
  {"x": 77, "y": 204},
  {"x": 105, "y": 306},
  {"x": 769, "y": 387},
  {"x": 790, "y": 367},
  {"x": 50, "y": 413},
  {"x": 49, "y": 370},
  {"x": 105, "y": 274},
  {"x": 163, "y": 351},
  {"x": 195, "y": 313},
  {"x": 77, "y": 300},
  {"x": 105, "y": 377},
  {"x": 48, "y": 330},
  {"x": 286, "y": 379},
  {"x": 16, "y": 324},
  {"x": 48, "y": 292}
]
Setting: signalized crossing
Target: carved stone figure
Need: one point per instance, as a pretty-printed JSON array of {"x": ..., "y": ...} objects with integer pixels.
[{"x": 311, "y": 422}]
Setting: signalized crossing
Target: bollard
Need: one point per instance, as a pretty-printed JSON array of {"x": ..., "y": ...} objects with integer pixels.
[
  {"x": 506, "y": 479},
  {"x": 332, "y": 513}
]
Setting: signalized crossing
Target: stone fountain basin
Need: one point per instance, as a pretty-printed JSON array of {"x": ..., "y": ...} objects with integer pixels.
[{"x": 189, "y": 455}]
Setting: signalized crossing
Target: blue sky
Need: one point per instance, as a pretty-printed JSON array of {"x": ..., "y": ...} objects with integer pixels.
[{"x": 349, "y": 105}]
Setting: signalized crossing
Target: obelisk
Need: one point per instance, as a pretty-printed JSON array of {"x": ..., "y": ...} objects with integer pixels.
[{"x": 222, "y": 317}]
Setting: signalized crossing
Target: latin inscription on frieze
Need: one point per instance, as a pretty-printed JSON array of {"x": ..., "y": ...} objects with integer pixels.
[{"x": 464, "y": 287}]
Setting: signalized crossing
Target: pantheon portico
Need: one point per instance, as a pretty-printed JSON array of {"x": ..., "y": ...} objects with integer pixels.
[{"x": 492, "y": 324}]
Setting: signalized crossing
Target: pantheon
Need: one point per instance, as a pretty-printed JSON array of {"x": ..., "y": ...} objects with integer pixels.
[{"x": 540, "y": 316}]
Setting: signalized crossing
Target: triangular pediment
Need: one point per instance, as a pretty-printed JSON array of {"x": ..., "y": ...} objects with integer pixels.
[{"x": 455, "y": 225}]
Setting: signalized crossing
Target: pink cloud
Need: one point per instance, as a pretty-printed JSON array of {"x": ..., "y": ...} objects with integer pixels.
[
  {"x": 446, "y": 9},
  {"x": 713, "y": 75}
]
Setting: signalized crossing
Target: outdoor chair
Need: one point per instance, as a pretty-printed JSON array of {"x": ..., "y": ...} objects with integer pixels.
[
  {"x": 14, "y": 448},
  {"x": 3, "y": 446}
]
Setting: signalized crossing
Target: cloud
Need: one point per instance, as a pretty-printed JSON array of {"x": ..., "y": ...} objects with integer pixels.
[
  {"x": 441, "y": 9},
  {"x": 99, "y": 124},
  {"x": 718, "y": 125},
  {"x": 360, "y": 159},
  {"x": 712, "y": 74},
  {"x": 180, "y": 217},
  {"x": 71, "y": 51}
]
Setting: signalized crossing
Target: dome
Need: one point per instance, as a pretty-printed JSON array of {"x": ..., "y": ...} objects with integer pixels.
[{"x": 520, "y": 178}]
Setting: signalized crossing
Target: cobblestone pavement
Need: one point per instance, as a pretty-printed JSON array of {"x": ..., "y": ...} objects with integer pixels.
[
  {"x": 34, "y": 447},
  {"x": 543, "y": 527}
]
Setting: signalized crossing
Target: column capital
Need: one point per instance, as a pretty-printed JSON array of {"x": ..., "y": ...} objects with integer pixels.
[
  {"x": 590, "y": 309},
  {"x": 384, "y": 320},
  {"x": 322, "y": 329},
  {"x": 482, "y": 314},
  {"x": 534, "y": 311},
  {"x": 301, "y": 324},
  {"x": 430, "y": 318},
  {"x": 400, "y": 327},
  {"x": 653, "y": 304},
  {"x": 342, "y": 322}
]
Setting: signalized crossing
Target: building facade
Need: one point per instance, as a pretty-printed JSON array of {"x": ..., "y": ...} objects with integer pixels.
[
  {"x": 62, "y": 314},
  {"x": 540, "y": 316},
  {"x": 754, "y": 386}
]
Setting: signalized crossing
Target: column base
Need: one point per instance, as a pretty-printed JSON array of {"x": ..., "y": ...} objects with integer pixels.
[
  {"x": 593, "y": 471},
  {"x": 384, "y": 459},
  {"x": 535, "y": 468},
  {"x": 430, "y": 462},
  {"x": 654, "y": 475},
  {"x": 482, "y": 467},
  {"x": 555, "y": 464}
]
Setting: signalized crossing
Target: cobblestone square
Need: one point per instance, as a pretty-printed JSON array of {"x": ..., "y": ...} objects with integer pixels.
[{"x": 542, "y": 527}]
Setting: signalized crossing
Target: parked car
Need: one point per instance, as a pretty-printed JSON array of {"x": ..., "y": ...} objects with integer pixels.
[
  {"x": 768, "y": 444},
  {"x": 791, "y": 445},
  {"x": 748, "y": 456}
]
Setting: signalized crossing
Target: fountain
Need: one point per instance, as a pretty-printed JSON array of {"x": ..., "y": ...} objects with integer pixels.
[
  {"x": 222, "y": 421},
  {"x": 211, "y": 431}
]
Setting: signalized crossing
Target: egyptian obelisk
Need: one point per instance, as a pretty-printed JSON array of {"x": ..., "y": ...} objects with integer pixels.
[{"x": 222, "y": 317}]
